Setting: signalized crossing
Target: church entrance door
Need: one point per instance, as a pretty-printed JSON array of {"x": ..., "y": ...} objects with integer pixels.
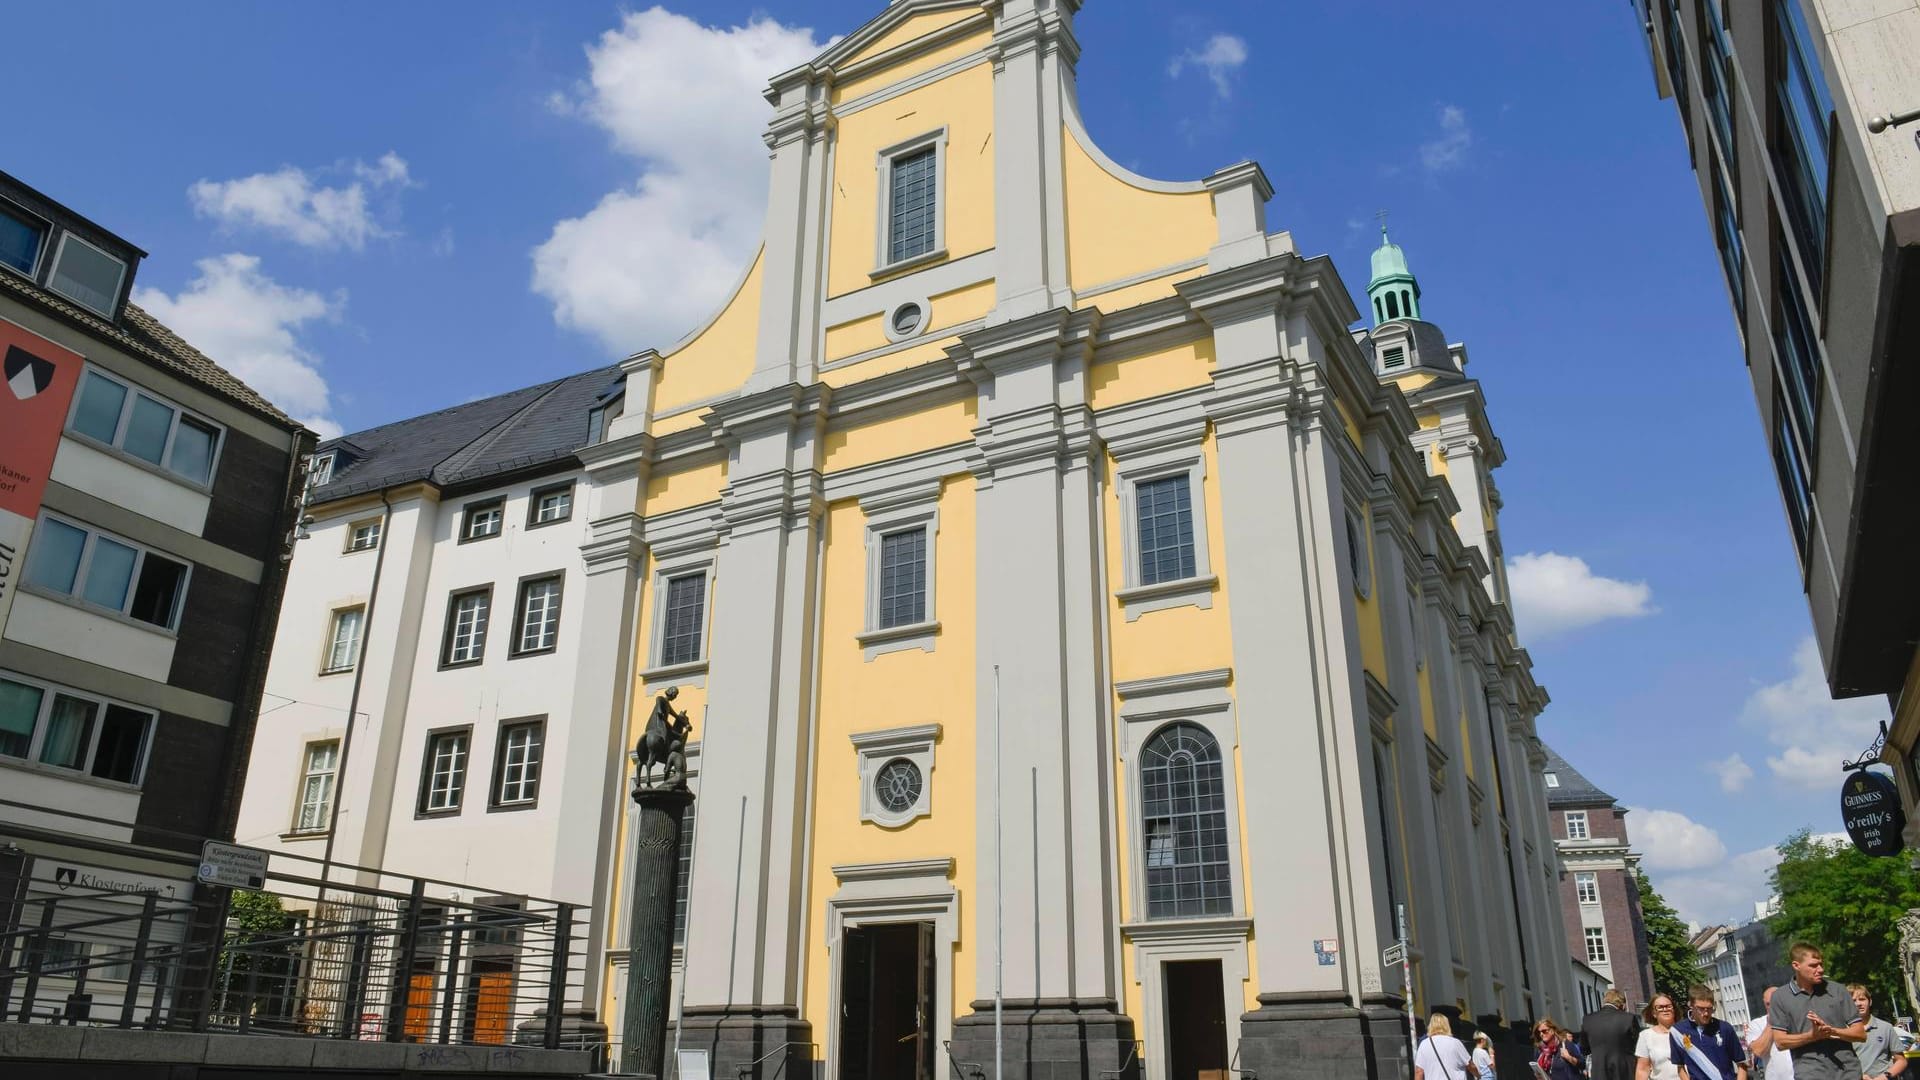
[
  {"x": 1196, "y": 1020},
  {"x": 887, "y": 988}
]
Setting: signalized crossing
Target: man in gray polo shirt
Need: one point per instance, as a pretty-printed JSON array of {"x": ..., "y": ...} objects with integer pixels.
[
  {"x": 1880, "y": 1057},
  {"x": 1816, "y": 1020}
]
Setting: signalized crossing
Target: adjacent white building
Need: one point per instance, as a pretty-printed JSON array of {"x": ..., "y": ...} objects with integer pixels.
[{"x": 1719, "y": 951}]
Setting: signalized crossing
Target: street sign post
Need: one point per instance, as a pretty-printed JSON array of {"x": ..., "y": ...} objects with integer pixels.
[{"x": 231, "y": 865}]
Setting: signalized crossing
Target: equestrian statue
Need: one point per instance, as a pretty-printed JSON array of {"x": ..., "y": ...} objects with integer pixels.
[{"x": 664, "y": 742}]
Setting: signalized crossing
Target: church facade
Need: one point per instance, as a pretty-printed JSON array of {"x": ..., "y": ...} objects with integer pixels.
[{"x": 1070, "y": 607}]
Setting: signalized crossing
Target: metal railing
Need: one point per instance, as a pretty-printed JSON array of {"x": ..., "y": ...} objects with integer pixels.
[{"x": 110, "y": 933}]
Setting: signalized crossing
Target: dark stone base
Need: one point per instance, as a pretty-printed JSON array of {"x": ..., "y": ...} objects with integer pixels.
[
  {"x": 579, "y": 1030},
  {"x": 1317, "y": 1036},
  {"x": 1513, "y": 1055},
  {"x": 772, "y": 1041},
  {"x": 1046, "y": 1039}
]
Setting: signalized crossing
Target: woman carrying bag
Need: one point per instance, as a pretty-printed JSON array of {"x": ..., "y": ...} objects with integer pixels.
[{"x": 1441, "y": 1057}]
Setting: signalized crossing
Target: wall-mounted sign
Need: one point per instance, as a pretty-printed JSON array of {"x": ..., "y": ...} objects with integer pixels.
[
  {"x": 1870, "y": 810},
  {"x": 231, "y": 865},
  {"x": 38, "y": 387}
]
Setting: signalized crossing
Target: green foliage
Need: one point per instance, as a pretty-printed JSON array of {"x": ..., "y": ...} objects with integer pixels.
[
  {"x": 1848, "y": 905},
  {"x": 254, "y": 921},
  {"x": 1675, "y": 965}
]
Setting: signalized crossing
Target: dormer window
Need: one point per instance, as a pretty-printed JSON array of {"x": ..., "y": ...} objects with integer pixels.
[
  {"x": 321, "y": 471},
  {"x": 87, "y": 275},
  {"x": 1553, "y": 779},
  {"x": 21, "y": 238}
]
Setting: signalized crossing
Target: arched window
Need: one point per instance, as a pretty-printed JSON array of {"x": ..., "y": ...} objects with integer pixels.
[
  {"x": 1379, "y": 310},
  {"x": 1184, "y": 822},
  {"x": 1393, "y": 305},
  {"x": 1406, "y": 302}
]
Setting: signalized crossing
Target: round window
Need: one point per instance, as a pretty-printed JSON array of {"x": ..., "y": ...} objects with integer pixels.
[
  {"x": 907, "y": 319},
  {"x": 897, "y": 786}
]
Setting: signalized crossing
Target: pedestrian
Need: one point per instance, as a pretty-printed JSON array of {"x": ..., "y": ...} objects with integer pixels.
[
  {"x": 1483, "y": 1055},
  {"x": 1441, "y": 1057},
  {"x": 1816, "y": 1020},
  {"x": 1653, "y": 1047},
  {"x": 1775, "y": 1063},
  {"x": 1703, "y": 1046},
  {"x": 1608, "y": 1035},
  {"x": 1878, "y": 1057},
  {"x": 1559, "y": 1057}
]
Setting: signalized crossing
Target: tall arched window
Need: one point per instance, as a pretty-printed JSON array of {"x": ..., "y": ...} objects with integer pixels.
[
  {"x": 1406, "y": 302},
  {"x": 1184, "y": 822},
  {"x": 1393, "y": 305}
]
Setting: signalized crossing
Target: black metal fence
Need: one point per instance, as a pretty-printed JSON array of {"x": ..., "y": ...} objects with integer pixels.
[{"x": 105, "y": 932}]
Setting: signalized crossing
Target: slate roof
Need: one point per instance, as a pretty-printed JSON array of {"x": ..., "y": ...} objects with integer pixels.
[
  {"x": 466, "y": 444},
  {"x": 1575, "y": 789},
  {"x": 146, "y": 337}
]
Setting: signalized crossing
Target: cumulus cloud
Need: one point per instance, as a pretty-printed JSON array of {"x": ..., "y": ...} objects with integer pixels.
[
  {"x": 1554, "y": 594},
  {"x": 249, "y": 324},
  {"x": 1733, "y": 771},
  {"x": 1671, "y": 840},
  {"x": 291, "y": 204},
  {"x": 1721, "y": 892},
  {"x": 1811, "y": 732},
  {"x": 1221, "y": 58},
  {"x": 652, "y": 259},
  {"x": 1448, "y": 149}
]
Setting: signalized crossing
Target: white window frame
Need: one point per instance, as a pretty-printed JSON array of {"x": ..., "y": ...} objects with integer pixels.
[
  {"x": 887, "y": 514},
  {"x": 497, "y": 505},
  {"x": 429, "y": 770},
  {"x": 75, "y": 598},
  {"x": 497, "y": 795},
  {"x": 328, "y": 666},
  {"x": 534, "y": 497},
  {"x": 1186, "y": 459},
  {"x": 38, "y": 739},
  {"x": 875, "y": 750},
  {"x": 1552, "y": 779},
  {"x": 324, "y": 815},
  {"x": 320, "y": 470},
  {"x": 133, "y": 391},
  {"x": 692, "y": 672},
  {"x": 119, "y": 282},
  {"x": 883, "y": 238},
  {"x": 1586, "y": 886},
  {"x": 521, "y": 594},
  {"x": 1596, "y": 941},
  {"x": 373, "y": 528},
  {"x": 451, "y": 632},
  {"x": 1580, "y": 817}
]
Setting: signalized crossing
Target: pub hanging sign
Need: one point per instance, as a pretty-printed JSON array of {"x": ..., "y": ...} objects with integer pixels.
[{"x": 1870, "y": 809}]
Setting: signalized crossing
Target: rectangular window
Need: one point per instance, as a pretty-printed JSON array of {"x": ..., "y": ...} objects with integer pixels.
[
  {"x": 1677, "y": 66},
  {"x": 537, "y": 616},
  {"x": 550, "y": 505},
  {"x": 155, "y": 431},
  {"x": 21, "y": 237},
  {"x": 683, "y": 876},
  {"x": 343, "y": 644},
  {"x": 1596, "y": 945},
  {"x": 91, "y": 566},
  {"x": 1553, "y": 779},
  {"x": 1576, "y": 824},
  {"x": 903, "y": 577},
  {"x": 1586, "y": 885},
  {"x": 1357, "y": 554},
  {"x": 516, "y": 764},
  {"x": 482, "y": 519},
  {"x": 682, "y": 635},
  {"x": 911, "y": 204},
  {"x": 466, "y": 637},
  {"x": 1802, "y": 115},
  {"x": 1796, "y": 349},
  {"x": 316, "y": 787},
  {"x": 86, "y": 275},
  {"x": 1164, "y": 513},
  {"x": 71, "y": 729},
  {"x": 1732, "y": 248},
  {"x": 363, "y": 535},
  {"x": 1716, "y": 85},
  {"x": 320, "y": 471},
  {"x": 443, "y": 778},
  {"x": 1790, "y": 467}
]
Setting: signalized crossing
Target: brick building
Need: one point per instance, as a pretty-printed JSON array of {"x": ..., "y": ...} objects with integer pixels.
[{"x": 1599, "y": 897}]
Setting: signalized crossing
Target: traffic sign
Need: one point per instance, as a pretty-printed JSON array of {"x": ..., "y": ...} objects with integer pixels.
[
  {"x": 1394, "y": 954},
  {"x": 231, "y": 865}
]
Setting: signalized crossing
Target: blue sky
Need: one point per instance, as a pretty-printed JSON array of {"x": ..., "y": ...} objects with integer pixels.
[{"x": 373, "y": 211}]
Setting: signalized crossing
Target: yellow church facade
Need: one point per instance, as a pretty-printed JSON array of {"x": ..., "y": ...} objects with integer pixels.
[{"x": 1069, "y": 604}]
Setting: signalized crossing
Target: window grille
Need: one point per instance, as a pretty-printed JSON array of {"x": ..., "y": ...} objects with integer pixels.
[
  {"x": 1184, "y": 812},
  {"x": 682, "y": 629},
  {"x": 911, "y": 205},
  {"x": 903, "y": 578},
  {"x": 1164, "y": 511}
]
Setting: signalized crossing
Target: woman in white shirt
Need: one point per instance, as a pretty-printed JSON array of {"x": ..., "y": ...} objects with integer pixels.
[
  {"x": 1483, "y": 1055},
  {"x": 1654, "y": 1051},
  {"x": 1441, "y": 1057}
]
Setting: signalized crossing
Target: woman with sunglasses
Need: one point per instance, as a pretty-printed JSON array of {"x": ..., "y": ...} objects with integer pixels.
[{"x": 1560, "y": 1057}]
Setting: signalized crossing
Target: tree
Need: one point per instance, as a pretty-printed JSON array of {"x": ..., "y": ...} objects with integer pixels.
[
  {"x": 1848, "y": 905},
  {"x": 1669, "y": 947},
  {"x": 255, "y": 944}
]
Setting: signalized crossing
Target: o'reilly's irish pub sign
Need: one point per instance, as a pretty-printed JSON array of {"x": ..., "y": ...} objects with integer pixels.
[{"x": 1870, "y": 809}]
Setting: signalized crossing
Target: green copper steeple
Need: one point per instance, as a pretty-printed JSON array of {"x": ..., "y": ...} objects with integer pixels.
[{"x": 1394, "y": 292}]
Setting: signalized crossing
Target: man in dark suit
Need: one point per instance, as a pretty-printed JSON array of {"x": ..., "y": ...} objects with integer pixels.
[{"x": 1607, "y": 1035}]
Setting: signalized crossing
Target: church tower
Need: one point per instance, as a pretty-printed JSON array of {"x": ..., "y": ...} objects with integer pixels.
[{"x": 1393, "y": 290}]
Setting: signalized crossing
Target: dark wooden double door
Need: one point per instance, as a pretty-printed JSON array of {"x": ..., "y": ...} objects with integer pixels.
[{"x": 887, "y": 982}]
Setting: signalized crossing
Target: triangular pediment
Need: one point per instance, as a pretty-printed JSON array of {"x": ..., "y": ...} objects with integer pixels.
[{"x": 900, "y": 24}]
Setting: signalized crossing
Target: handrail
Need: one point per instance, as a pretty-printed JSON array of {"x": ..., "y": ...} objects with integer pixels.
[
  {"x": 979, "y": 1070},
  {"x": 1234, "y": 1066},
  {"x": 1135, "y": 1053},
  {"x": 747, "y": 1069}
]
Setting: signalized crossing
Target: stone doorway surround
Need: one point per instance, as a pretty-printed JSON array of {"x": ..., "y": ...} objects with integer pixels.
[{"x": 898, "y": 891}]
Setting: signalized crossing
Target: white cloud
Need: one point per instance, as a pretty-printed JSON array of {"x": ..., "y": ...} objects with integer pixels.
[
  {"x": 1812, "y": 732},
  {"x": 1222, "y": 57},
  {"x": 248, "y": 324},
  {"x": 1555, "y": 593},
  {"x": 289, "y": 203},
  {"x": 1723, "y": 892},
  {"x": 1448, "y": 150},
  {"x": 1733, "y": 771},
  {"x": 1671, "y": 840},
  {"x": 650, "y": 261}
]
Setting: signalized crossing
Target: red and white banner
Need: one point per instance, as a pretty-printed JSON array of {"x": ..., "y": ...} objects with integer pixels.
[{"x": 39, "y": 382}]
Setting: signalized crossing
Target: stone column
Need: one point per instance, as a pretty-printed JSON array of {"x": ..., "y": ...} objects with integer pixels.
[{"x": 656, "y": 859}]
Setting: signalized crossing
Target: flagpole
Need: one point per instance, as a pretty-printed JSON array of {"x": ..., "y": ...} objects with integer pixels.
[{"x": 999, "y": 894}]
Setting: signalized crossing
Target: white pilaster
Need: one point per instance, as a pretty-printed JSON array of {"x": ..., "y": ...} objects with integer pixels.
[
  {"x": 1034, "y": 53},
  {"x": 793, "y": 270}
]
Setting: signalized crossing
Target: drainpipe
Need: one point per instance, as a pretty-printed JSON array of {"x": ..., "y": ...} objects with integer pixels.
[{"x": 353, "y": 698}]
